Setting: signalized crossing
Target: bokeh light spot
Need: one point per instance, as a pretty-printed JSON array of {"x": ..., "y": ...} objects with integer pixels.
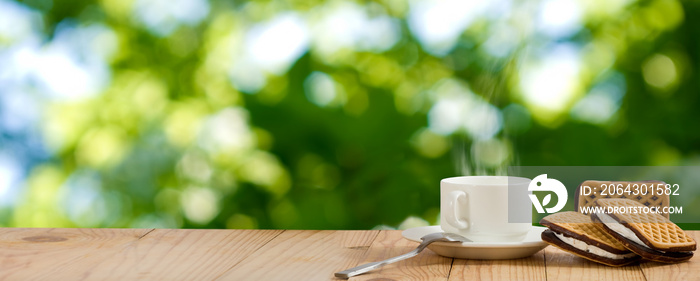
[
  {"x": 659, "y": 71},
  {"x": 266, "y": 171},
  {"x": 429, "y": 144},
  {"x": 321, "y": 89},
  {"x": 102, "y": 147},
  {"x": 550, "y": 85},
  {"x": 275, "y": 45},
  {"x": 491, "y": 153},
  {"x": 200, "y": 204},
  {"x": 458, "y": 108},
  {"x": 162, "y": 17},
  {"x": 559, "y": 18}
]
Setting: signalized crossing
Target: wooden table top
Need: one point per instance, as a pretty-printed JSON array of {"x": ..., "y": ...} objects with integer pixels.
[{"x": 188, "y": 254}]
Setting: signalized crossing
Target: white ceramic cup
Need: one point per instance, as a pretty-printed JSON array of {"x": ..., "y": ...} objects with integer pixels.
[{"x": 477, "y": 207}]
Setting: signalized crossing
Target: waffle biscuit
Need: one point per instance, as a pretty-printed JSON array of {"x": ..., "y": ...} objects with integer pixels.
[
  {"x": 574, "y": 232},
  {"x": 649, "y": 199},
  {"x": 649, "y": 235}
]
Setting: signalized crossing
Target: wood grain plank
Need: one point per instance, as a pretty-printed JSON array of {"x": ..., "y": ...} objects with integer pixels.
[
  {"x": 304, "y": 255},
  {"x": 426, "y": 266},
  {"x": 530, "y": 268},
  {"x": 59, "y": 254},
  {"x": 182, "y": 254},
  {"x": 689, "y": 270},
  {"x": 565, "y": 266}
]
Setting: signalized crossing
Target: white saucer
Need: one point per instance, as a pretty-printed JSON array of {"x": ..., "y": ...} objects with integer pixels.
[{"x": 531, "y": 244}]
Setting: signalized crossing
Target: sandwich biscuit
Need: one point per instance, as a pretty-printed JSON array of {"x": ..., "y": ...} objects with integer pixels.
[
  {"x": 608, "y": 189},
  {"x": 574, "y": 232},
  {"x": 647, "y": 234}
]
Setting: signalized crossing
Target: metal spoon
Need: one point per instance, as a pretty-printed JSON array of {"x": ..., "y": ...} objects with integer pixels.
[{"x": 427, "y": 240}]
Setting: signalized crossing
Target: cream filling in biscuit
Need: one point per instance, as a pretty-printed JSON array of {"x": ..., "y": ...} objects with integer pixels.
[
  {"x": 620, "y": 229},
  {"x": 583, "y": 246}
]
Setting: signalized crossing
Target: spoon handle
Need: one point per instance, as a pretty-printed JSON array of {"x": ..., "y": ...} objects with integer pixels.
[{"x": 374, "y": 265}]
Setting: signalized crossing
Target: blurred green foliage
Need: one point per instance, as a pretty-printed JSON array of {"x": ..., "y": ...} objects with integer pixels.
[{"x": 352, "y": 137}]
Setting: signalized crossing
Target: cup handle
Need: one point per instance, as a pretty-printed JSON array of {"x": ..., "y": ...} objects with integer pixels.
[{"x": 457, "y": 199}]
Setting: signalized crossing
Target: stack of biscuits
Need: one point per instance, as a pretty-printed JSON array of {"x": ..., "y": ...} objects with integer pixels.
[{"x": 618, "y": 238}]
